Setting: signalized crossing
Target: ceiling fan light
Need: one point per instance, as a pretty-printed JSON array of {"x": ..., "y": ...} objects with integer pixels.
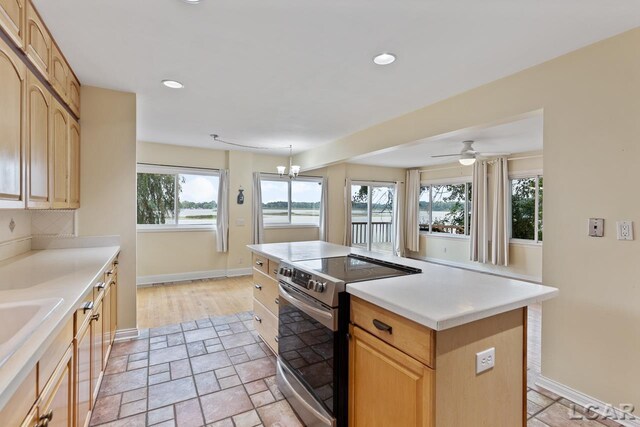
[{"x": 468, "y": 161}]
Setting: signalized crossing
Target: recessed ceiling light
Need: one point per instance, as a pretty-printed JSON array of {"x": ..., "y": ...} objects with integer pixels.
[
  {"x": 173, "y": 84},
  {"x": 384, "y": 58},
  {"x": 191, "y": 1}
]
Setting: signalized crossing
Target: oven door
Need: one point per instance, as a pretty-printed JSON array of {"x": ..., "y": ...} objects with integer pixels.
[{"x": 307, "y": 337}]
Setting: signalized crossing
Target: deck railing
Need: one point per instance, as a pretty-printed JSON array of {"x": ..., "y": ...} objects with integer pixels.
[{"x": 382, "y": 232}]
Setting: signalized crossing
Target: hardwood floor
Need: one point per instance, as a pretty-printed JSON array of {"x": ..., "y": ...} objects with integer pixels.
[{"x": 167, "y": 304}]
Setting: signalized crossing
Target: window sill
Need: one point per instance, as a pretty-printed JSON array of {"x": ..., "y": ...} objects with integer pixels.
[
  {"x": 445, "y": 235},
  {"x": 523, "y": 242},
  {"x": 179, "y": 229},
  {"x": 276, "y": 226}
]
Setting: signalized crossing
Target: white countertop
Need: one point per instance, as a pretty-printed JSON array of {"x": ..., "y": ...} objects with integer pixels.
[
  {"x": 59, "y": 273},
  {"x": 441, "y": 297}
]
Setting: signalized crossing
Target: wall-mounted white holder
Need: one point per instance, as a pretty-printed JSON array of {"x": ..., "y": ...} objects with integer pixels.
[{"x": 624, "y": 230}]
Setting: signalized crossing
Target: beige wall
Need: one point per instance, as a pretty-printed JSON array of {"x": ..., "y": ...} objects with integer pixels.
[
  {"x": 590, "y": 98},
  {"x": 108, "y": 183},
  {"x": 525, "y": 260}
]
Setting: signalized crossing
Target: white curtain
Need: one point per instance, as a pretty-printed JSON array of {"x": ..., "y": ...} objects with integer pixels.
[
  {"x": 398, "y": 220},
  {"x": 257, "y": 224},
  {"x": 324, "y": 212},
  {"x": 412, "y": 224},
  {"x": 500, "y": 225},
  {"x": 222, "y": 222},
  {"x": 347, "y": 212},
  {"x": 480, "y": 231}
]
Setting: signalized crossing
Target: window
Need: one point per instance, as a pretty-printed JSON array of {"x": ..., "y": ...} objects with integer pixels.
[
  {"x": 291, "y": 202},
  {"x": 526, "y": 208},
  {"x": 372, "y": 216},
  {"x": 171, "y": 197},
  {"x": 445, "y": 208}
]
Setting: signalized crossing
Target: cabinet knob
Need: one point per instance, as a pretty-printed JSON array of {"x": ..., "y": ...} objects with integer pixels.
[
  {"x": 277, "y": 301},
  {"x": 95, "y": 317},
  {"x": 87, "y": 306},
  {"x": 259, "y": 320},
  {"x": 45, "y": 419},
  {"x": 259, "y": 263},
  {"x": 100, "y": 285},
  {"x": 258, "y": 287},
  {"x": 382, "y": 326}
]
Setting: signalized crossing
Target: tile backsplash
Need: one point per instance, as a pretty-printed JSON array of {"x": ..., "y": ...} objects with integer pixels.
[{"x": 53, "y": 223}]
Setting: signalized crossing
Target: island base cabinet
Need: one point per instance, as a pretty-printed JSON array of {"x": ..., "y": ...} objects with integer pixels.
[
  {"x": 387, "y": 387},
  {"x": 83, "y": 375}
]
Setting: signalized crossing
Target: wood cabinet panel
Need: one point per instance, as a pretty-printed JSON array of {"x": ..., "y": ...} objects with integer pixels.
[
  {"x": 412, "y": 338},
  {"x": 265, "y": 290},
  {"x": 60, "y": 145},
  {"x": 114, "y": 308},
  {"x": 38, "y": 41},
  {"x": 387, "y": 387},
  {"x": 38, "y": 144},
  {"x": 57, "y": 399},
  {"x": 73, "y": 94},
  {"x": 22, "y": 400},
  {"x": 97, "y": 321},
  {"x": 266, "y": 324},
  {"x": 12, "y": 138},
  {"x": 260, "y": 263},
  {"x": 273, "y": 269},
  {"x": 82, "y": 364},
  {"x": 59, "y": 73},
  {"x": 74, "y": 164},
  {"x": 54, "y": 354},
  {"x": 106, "y": 326},
  {"x": 12, "y": 19}
]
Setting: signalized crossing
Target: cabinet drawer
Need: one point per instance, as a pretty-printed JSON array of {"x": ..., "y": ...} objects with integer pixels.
[
  {"x": 266, "y": 324},
  {"x": 265, "y": 290},
  {"x": 261, "y": 263},
  {"x": 273, "y": 268},
  {"x": 54, "y": 354},
  {"x": 83, "y": 311},
  {"x": 405, "y": 335},
  {"x": 111, "y": 274}
]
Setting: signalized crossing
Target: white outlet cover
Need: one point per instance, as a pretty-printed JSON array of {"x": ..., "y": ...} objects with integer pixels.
[
  {"x": 485, "y": 360},
  {"x": 624, "y": 230}
]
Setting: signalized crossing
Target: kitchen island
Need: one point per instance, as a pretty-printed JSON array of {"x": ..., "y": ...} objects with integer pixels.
[{"x": 405, "y": 330}]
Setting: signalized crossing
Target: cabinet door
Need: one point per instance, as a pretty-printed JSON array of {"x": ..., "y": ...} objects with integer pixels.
[
  {"x": 74, "y": 163},
  {"x": 60, "y": 134},
  {"x": 38, "y": 41},
  {"x": 83, "y": 375},
  {"x": 12, "y": 135},
  {"x": 57, "y": 399},
  {"x": 74, "y": 94},
  {"x": 387, "y": 387},
  {"x": 106, "y": 326},
  {"x": 114, "y": 308},
  {"x": 38, "y": 144},
  {"x": 59, "y": 72},
  {"x": 12, "y": 19},
  {"x": 96, "y": 350}
]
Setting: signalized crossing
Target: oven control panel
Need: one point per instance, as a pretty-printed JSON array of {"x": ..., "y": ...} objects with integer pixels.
[
  {"x": 301, "y": 278},
  {"x": 314, "y": 285}
]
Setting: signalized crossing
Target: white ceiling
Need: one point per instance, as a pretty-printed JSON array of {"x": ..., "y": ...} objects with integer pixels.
[
  {"x": 518, "y": 136},
  {"x": 279, "y": 72}
]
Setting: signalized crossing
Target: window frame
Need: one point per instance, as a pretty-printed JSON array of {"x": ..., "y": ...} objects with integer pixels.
[
  {"x": 175, "y": 171},
  {"x": 536, "y": 175},
  {"x": 278, "y": 178},
  {"x": 448, "y": 181}
]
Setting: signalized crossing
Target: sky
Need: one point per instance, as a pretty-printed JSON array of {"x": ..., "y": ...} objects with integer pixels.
[
  {"x": 301, "y": 191},
  {"x": 199, "y": 188}
]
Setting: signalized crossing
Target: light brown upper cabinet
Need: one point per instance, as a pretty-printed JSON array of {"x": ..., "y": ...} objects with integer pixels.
[
  {"x": 12, "y": 19},
  {"x": 74, "y": 164},
  {"x": 38, "y": 144},
  {"x": 38, "y": 41},
  {"x": 60, "y": 145},
  {"x": 12, "y": 139},
  {"x": 73, "y": 94},
  {"x": 59, "y": 72}
]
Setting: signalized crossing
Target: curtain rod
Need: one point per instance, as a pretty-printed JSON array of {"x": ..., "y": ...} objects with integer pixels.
[
  {"x": 374, "y": 181},
  {"x": 177, "y": 166},
  {"x": 458, "y": 166}
]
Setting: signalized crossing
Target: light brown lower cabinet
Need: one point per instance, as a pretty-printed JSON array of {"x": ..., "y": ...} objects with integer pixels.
[
  {"x": 387, "y": 387},
  {"x": 265, "y": 299},
  {"x": 62, "y": 386}
]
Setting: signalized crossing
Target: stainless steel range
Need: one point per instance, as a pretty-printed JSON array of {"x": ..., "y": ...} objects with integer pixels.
[{"x": 312, "y": 332}]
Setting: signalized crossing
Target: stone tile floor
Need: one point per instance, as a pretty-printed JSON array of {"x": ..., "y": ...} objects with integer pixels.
[
  {"x": 214, "y": 372},
  {"x": 217, "y": 372}
]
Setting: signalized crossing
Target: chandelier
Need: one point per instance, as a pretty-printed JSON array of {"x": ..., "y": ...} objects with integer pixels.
[{"x": 294, "y": 170}]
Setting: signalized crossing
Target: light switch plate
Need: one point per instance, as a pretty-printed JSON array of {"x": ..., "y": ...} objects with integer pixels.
[
  {"x": 625, "y": 230},
  {"x": 240, "y": 222},
  {"x": 596, "y": 227},
  {"x": 485, "y": 360}
]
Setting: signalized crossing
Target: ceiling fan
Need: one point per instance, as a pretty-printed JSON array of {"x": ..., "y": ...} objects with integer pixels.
[{"x": 468, "y": 155}]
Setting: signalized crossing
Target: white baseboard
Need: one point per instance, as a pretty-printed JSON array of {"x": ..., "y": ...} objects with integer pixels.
[
  {"x": 598, "y": 406},
  {"x": 192, "y": 275},
  {"x": 235, "y": 272},
  {"x": 126, "y": 334},
  {"x": 480, "y": 268}
]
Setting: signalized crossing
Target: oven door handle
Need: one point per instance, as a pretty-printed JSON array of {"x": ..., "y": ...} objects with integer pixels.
[{"x": 306, "y": 307}]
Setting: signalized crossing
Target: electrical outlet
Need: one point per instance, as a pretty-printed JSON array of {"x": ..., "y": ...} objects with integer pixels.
[
  {"x": 625, "y": 230},
  {"x": 596, "y": 227},
  {"x": 485, "y": 360}
]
